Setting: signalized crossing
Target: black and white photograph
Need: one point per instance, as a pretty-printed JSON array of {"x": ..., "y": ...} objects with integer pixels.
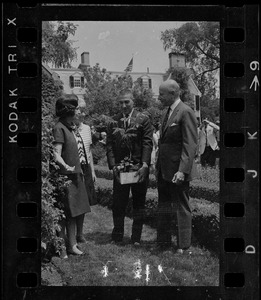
[
  {"x": 130, "y": 150},
  {"x": 130, "y": 153}
]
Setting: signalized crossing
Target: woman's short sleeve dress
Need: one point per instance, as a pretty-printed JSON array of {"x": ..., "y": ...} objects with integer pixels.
[{"x": 76, "y": 201}]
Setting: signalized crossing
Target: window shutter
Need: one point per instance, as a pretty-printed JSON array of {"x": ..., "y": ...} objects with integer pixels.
[
  {"x": 197, "y": 103},
  {"x": 82, "y": 82},
  {"x": 71, "y": 82},
  {"x": 150, "y": 85}
]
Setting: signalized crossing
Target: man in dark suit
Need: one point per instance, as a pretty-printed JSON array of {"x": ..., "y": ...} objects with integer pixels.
[
  {"x": 175, "y": 166},
  {"x": 138, "y": 124}
]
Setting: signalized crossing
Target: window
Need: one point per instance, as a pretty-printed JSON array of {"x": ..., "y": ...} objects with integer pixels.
[
  {"x": 145, "y": 81},
  {"x": 76, "y": 81}
]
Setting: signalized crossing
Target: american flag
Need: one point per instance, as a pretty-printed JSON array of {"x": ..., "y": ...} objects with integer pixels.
[{"x": 129, "y": 67}]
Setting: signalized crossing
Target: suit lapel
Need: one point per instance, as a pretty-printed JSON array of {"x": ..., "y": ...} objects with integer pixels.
[
  {"x": 171, "y": 118},
  {"x": 162, "y": 119},
  {"x": 133, "y": 118}
]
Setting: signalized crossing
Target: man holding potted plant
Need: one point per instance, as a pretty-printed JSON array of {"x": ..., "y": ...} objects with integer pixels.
[{"x": 129, "y": 146}]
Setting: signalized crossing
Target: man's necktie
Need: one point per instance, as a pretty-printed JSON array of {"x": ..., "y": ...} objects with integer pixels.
[
  {"x": 166, "y": 119},
  {"x": 126, "y": 121}
]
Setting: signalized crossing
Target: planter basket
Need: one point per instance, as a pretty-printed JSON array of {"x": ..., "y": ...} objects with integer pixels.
[{"x": 128, "y": 177}]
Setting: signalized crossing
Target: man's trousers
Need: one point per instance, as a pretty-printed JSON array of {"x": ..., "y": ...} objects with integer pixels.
[
  {"x": 173, "y": 198},
  {"x": 120, "y": 202}
]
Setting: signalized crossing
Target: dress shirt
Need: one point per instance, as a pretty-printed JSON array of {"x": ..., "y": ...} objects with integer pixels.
[
  {"x": 127, "y": 119},
  {"x": 173, "y": 106}
]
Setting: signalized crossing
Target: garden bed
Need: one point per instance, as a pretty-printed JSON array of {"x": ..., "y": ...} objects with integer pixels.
[{"x": 198, "y": 188}]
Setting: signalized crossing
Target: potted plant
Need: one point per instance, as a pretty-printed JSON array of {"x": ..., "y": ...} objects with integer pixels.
[
  {"x": 126, "y": 168},
  {"x": 128, "y": 171}
]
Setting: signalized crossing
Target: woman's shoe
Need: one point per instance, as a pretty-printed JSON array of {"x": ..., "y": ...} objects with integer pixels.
[
  {"x": 63, "y": 254},
  {"x": 75, "y": 251},
  {"x": 80, "y": 239}
]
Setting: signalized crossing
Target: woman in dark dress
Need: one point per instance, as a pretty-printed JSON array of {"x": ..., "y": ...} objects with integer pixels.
[{"x": 70, "y": 156}]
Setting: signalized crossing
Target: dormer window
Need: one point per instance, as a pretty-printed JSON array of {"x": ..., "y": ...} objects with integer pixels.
[
  {"x": 76, "y": 81},
  {"x": 145, "y": 81}
]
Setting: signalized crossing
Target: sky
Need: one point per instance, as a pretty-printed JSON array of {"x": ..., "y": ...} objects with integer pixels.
[{"x": 112, "y": 44}]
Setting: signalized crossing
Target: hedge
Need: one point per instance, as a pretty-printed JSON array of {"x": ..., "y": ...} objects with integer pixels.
[
  {"x": 53, "y": 185},
  {"x": 198, "y": 189},
  {"x": 205, "y": 214}
]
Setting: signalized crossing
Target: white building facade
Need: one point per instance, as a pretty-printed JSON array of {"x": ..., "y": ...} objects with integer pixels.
[{"x": 73, "y": 78}]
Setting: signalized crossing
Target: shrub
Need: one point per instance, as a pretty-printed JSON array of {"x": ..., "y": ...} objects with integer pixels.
[
  {"x": 198, "y": 188},
  {"x": 100, "y": 122},
  {"x": 209, "y": 174},
  {"x": 98, "y": 153},
  {"x": 103, "y": 172},
  {"x": 52, "y": 184},
  {"x": 204, "y": 190},
  {"x": 206, "y": 227}
]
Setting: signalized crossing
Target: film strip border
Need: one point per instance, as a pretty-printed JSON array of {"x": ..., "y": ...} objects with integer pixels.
[
  {"x": 21, "y": 148},
  {"x": 240, "y": 155},
  {"x": 239, "y": 164}
]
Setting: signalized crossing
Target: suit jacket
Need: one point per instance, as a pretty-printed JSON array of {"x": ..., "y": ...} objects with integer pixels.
[
  {"x": 207, "y": 135},
  {"x": 178, "y": 144},
  {"x": 142, "y": 142}
]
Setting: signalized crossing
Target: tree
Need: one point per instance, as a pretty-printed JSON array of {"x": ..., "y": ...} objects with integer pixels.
[
  {"x": 200, "y": 42},
  {"x": 143, "y": 97},
  {"x": 56, "y": 48},
  {"x": 182, "y": 76},
  {"x": 102, "y": 91}
]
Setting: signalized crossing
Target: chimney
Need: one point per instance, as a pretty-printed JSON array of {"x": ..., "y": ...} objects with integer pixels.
[
  {"x": 177, "y": 60},
  {"x": 85, "y": 59}
]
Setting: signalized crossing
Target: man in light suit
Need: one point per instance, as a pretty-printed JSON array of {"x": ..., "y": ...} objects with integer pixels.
[
  {"x": 175, "y": 166},
  {"x": 208, "y": 144}
]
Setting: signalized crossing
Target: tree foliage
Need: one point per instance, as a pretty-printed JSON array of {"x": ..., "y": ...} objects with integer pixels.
[
  {"x": 143, "y": 97},
  {"x": 57, "y": 49},
  {"x": 52, "y": 184},
  {"x": 200, "y": 42},
  {"x": 181, "y": 76},
  {"x": 102, "y": 92}
]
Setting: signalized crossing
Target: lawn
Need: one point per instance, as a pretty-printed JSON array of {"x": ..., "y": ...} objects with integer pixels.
[{"x": 126, "y": 265}]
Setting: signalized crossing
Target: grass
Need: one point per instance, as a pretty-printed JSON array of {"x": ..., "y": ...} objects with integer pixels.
[
  {"x": 208, "y": 174},
  {"x": 165, "y": 268}
]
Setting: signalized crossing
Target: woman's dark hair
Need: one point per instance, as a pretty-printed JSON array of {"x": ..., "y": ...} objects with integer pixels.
[{"x": 65, "y": 105}]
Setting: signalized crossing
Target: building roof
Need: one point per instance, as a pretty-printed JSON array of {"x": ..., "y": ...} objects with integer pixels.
[
  {"x": 46, "y": 69},
  {"x": 67, "y": 69},
  {"x": 193, "y": 87}
]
